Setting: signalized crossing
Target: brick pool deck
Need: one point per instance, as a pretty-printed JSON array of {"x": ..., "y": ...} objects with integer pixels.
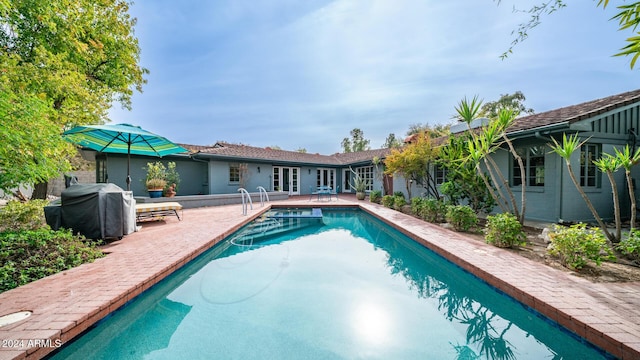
[{"x": 66, "y": 304}]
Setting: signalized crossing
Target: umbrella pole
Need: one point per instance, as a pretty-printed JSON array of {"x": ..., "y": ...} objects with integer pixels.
[{"x": 128, "y": 166}]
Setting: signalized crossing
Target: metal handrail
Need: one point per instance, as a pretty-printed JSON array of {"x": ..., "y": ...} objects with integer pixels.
[
  {"x": 263, "y": 194},
  {"x": 244, "y": 202}
]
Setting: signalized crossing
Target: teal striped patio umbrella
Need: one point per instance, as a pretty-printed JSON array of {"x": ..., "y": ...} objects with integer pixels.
[{"x": 122, "y": 139}]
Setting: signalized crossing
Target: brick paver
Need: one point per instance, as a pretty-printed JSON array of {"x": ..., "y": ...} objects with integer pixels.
[{"x": 66, "y": 304}]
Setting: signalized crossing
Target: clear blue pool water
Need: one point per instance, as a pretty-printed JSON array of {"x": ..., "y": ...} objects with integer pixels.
[{"x": 348, "y": 287}]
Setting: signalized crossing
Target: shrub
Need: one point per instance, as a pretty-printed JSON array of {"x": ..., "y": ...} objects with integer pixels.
[
  {"x": 575, "y": 245},
  {"x": 399, "y": 202},
  {"x": 504, "y": 230},
  {"x": 630, "y": 245},
  {"x": 387, "y": 201},
  {"x": 398, "y": 194},
  {"x": 172, "y": 176},
  {"x": 18, "y": 215},
  {"x": 29, "y": 255},
  {"x": 375, "y": 196},
  {"x": 434, "y": 210},
  {"x": 417, "y": 206},
  {"x": 461, "y": 217}
]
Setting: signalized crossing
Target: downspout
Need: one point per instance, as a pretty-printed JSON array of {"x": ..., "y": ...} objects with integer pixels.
[
  {"x": 539, "y": 135},
  {"x": 208, "y": 175},
  {"x": 634, "y": 138}
]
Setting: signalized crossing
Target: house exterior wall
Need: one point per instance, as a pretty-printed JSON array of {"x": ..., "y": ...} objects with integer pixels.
[
  {"x": 573, "y": 206},
  {"x": 559, "y": 200},
  {"x": 542, "y": 202},
  {"x": 219, "y": 177},
  {"x": 193, "y": 174}
]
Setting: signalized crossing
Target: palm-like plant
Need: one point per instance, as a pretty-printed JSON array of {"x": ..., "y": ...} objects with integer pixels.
[
  {"x": 483, "y": 144},
  {"x": 627, "y": 161},
  {"x": 565, "y": 150}
]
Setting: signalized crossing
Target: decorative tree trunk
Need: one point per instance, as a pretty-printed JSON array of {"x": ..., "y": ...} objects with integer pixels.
[{"x": 40, "y": 191}]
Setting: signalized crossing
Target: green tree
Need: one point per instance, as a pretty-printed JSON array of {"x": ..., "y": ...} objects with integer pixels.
[
  {"x": 488, "y": 141},
  {"x": 514, "y": 102},
  {"x": 392, "y": 142},
  {"x": 413, "y": 162},
  {"x": 628, "y": 18},
  {"x": 565, "y": 149},
  {"x": 463, "y": 182},
  {"x": 61, "y": 64},
  {"x": 627, "y": 160},
  {"x": 357, "y": 142},
  {"x": 433, "y": 131}
]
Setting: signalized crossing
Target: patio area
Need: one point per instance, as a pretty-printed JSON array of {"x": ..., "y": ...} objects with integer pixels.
[{"x": 66, "y": 304}]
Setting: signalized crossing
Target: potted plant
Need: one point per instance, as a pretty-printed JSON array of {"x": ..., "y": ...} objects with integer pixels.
[
  {"x": 155, "y": 181},
  {"x": 155, "y": 187},
  {"x": 173, "y": 180},
  {"x": 359, "y": 185}
]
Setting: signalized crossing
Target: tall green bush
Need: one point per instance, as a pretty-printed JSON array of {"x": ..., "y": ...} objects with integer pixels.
[
  {"x": 461, "y": 217},
  {"x": 630, "y": 245},
  {"x": 388, "y": 200},
  {"x": 375, "y": 196},
  {"x": 504, "y": 230},
  {"x": 417, "y": 206},
  {"x": 434, "y": 210},
  {"x": 18, "y": 215},
  {"x": 577, "y": 244},
  {"x": 29, "y": 255},
  {"x": 399, "y": 202}
]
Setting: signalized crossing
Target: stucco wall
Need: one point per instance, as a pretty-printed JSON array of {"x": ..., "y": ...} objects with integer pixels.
[{"x": 193, "y": 174}]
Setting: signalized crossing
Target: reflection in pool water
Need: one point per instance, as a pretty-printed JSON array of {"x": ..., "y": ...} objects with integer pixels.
[{"x": 347, "y": 287}]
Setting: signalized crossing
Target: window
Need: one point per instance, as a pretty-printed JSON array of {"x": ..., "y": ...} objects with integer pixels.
[
  {"x": 440, "y": 174},
  {"x": 234, "y": 173},
  {"x": 101, "y": 170},
  {"x": 533, "y": 160},
  {"x": 590, "y": 176},
  {"x": 325, "y": 177},
  {"x": 366, "y": 173}
]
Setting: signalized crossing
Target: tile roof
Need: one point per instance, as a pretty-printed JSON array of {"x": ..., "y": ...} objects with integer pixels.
[
  {"x": 574, "y": 113},
  {"x": 568, "y": 114},
  {"x": 239, "y": 151}
]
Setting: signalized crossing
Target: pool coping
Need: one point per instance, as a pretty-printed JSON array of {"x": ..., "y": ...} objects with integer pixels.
[{"x": 66, "y": 304}]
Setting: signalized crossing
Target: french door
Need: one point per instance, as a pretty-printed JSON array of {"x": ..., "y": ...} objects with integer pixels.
[
  {"x": 326, "y": 177},
  {"x": 286, "y": 179}
]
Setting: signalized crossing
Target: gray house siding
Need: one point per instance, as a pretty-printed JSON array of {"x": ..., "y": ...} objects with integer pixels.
[
  {"x": 541, "y": 201},
  {"x": 193, "y": 174},
  {"x": 219, "y": 177}
]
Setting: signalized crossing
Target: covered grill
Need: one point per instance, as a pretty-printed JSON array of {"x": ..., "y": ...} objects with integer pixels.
[{"x": 97, "y": 211}]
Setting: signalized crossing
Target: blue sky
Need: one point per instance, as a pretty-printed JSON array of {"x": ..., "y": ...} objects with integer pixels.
[{"x": 302, "y": 74}]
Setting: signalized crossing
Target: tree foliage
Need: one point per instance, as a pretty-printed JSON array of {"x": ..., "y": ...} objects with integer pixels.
[
  {"x": 392, "y": 142},
  {"x": 482, "y": 144},
  {"x": 413, "y": 162},
  {"x": 62, "y": 63},
  {"x": 628, "y": 18},
  {"x": 514, "y": 102},
  {"x": 434, "y": 131},
  {"x": 357, "y": 142}
]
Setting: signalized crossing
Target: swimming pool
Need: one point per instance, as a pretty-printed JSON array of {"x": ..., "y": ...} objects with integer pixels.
[{"x": 347, "y": 287}]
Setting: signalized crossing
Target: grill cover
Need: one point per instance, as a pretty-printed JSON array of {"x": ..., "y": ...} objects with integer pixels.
[{"x": 98, "y": 211}]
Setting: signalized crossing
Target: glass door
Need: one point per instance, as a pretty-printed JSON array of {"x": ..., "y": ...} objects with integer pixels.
[
  {"x": 346, "y": 180},
  {"x": 286, "y": 179}
]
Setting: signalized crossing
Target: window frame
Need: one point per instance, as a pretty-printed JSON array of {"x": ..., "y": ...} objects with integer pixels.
[
  {"x": 366, "y": 173},
  {"x": 439, "y": 174},
  {"x": 595, "y": 150},
  {"x": 234, "y": 173},
  {"x": 530, "y": 154}
]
